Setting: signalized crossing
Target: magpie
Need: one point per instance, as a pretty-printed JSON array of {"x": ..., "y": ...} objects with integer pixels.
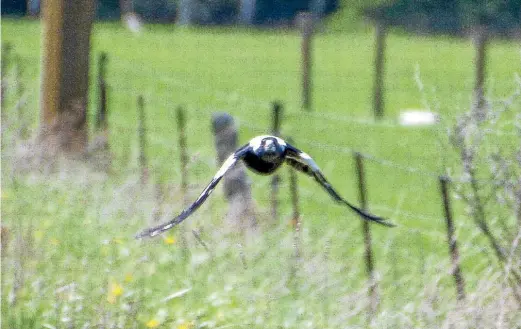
[{"x": 264, "y": 155}]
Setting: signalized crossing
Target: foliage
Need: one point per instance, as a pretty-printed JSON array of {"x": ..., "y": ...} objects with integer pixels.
[
  {"x": 211, "y": 12},
  {"x": 486, "y": 141},
  {"x": 455, "y": 16},
  {"x": 349, "y": 15},
  {"x": 156, "y": 10}
]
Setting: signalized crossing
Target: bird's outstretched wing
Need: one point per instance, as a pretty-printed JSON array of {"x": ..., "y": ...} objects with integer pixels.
[
  {"x": 227, "y": 165},
  {"x": 304, "y": 163}
]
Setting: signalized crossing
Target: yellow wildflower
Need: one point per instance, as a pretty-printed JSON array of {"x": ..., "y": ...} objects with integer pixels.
[
  {"x": 118, "y": 241},
  {"x": 128, "y": 277},
  {"x": 54, "y": 241},
  {"x": 38, "y": 235},
  {"x": 152, "y": 323},
  {"x": 186, "y": 325},
  {"x": 115, "y": 290},
  {"x": 169, "y": 239}
]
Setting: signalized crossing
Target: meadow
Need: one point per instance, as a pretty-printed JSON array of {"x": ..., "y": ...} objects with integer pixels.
[{"x": 72, "y": 261}]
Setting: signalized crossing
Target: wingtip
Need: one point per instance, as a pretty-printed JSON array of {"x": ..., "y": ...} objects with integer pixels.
[
  {"x": 373, "y": 218},
  {"x": 144, "y": 234},
  {"x": 386, "y": 223},
  {"x": 380, "y": 220},
  {"x": 154, "y": 231}
]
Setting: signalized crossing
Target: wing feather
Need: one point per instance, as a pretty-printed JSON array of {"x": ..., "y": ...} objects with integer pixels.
[
  {"x": 304, "y": 163},
  {"x": 226, "y": 166}
]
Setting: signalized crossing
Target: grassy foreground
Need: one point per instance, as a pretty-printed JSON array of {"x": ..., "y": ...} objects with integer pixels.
[{"x": 72, "y": 262}]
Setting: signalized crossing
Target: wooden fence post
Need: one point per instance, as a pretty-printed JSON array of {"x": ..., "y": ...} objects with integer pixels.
[
  {"x": 143, "y": 161},
  {"x": 451, "y": 239},
  {"x": 237, "y": 186},
  {"x": 369, "y": 263},
  {"x": 6, "y": 50},
  {"x": 98, "y": 149},
  {"x": 295, "y": 220},
  {"x": 275, "y": 180},
  {"x": 23, "y": 130},
  {"x": 183, "y": 157},
  {"x": 379, "y": 62},
  {"x": 277, "y": 116},
  {"x": 101, "y": 118},
  {"x": 183, "y": 154},
  {"x": 480, "y": 41},
  {"x": 307, "y": 35}
]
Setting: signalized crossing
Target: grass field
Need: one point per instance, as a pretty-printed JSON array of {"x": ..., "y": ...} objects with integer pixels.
[{"x": 72, "y": 261}]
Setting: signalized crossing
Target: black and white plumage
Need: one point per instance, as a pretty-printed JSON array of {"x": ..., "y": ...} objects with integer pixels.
[{"x": 264, "y": 155}]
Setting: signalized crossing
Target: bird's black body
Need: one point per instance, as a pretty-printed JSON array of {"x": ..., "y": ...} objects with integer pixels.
[
  {"x": 267, "y": 157},
  {"x": 264, "y": 155},
  {"x": 260, "y": 166}
]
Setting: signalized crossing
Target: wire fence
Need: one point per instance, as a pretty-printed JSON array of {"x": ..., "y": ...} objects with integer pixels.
[
  {"x": 341, "y": 150},
  {"x": 155, "y": 138},
  {"x": 432, "y": 236}
]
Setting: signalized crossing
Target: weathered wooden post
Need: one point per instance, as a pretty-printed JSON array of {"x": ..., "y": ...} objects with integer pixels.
[
  {"x": 306, "y": 19},
  {"x": 101, "y": 117},
  {"x": 275, "y": 180},
  {"x": 183, "y": 154},
  {"x": 379, "y": 62},
  {"x": 480, "y": 42},
  {"x": 295, "y": 219},
  {"x": 369, "y": 263},
  {"x": 142, "y": 134},
  {"x": 23, "y": 130},
  {"x": 99, "y": 149},
  {"x": 236, "y": 184},
  {"x": 451, "y": 238}
]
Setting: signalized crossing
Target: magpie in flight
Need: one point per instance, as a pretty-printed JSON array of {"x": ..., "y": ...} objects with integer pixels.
[{"x": 264, "y": 155}]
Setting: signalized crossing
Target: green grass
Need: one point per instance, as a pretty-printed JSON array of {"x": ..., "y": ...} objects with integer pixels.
[{"x": 83, "y": 223}]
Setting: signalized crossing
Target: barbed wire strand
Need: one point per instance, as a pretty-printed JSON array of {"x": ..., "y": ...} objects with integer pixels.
[{"x": 234, "y": 95}]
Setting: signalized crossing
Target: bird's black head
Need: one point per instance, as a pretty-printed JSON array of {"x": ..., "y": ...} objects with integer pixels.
[{"x": 268, "y": 148}]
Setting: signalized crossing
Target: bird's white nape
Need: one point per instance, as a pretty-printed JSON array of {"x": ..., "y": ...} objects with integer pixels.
[{"x": 256, "y": 142}]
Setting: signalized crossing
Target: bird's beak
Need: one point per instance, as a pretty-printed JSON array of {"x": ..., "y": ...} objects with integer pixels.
[{"x": 270, "y": 146}]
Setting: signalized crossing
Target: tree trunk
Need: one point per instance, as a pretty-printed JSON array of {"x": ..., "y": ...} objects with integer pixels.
[
  {"x": 186, "y": 12},
  {"x": 65, "y": 73},
  {"x": 125, "y": 7},
  {"x": 246, "y": 12},
  {"x": 318, "y": 9}
]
